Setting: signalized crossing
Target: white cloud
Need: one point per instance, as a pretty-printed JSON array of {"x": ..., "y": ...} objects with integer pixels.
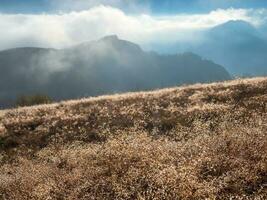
[{"x": 65, "y": 29}]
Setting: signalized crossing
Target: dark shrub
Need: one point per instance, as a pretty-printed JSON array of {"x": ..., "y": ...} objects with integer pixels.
[{"x": 30, "y": 100}]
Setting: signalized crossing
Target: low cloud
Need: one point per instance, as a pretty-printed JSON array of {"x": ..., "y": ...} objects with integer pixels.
[{"x": 69, "y": 28}]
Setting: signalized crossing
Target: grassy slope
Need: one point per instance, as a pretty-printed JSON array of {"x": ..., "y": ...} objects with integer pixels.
[{"x": 195, "y": 142}]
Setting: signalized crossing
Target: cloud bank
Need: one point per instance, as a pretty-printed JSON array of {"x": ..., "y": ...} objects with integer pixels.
[{"x": 66, "y": 29}]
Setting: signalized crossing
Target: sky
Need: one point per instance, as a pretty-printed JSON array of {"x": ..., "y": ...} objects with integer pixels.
[
  {"x": 62, "y": 23},
  {"x": 132, "y": 6}
]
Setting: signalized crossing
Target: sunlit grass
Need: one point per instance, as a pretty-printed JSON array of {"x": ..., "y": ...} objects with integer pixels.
[{"x": 194, "y": 142}]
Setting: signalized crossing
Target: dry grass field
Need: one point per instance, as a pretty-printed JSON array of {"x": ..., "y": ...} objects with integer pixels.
[{"x": 195, "y": 142}]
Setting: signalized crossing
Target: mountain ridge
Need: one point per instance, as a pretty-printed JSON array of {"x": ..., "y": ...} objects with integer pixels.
[
  {"x": 99, "y": 67},
  {"x": 237, "y": 45}
]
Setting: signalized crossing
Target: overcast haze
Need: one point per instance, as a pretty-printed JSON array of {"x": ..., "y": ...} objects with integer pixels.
[{"x": 59, "y": 23}]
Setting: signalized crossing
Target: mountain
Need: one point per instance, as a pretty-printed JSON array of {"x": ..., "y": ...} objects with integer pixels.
[
  {"x": 237, "y": 45},
  {"x": 263, "y": 30},
  {"x": 234, "y": 28},
  {"x": 99, "y": 67}
]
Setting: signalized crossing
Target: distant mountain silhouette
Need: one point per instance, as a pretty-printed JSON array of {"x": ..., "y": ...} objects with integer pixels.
[
  {"x": 237, "y": 45},
  {"x": 235, "y": 28},
  {"x": 263, "y": 30},
  {"x": 99, "y": 67}
]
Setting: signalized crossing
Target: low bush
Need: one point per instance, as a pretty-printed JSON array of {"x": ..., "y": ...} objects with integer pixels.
[{"x": 30, "y": 100}]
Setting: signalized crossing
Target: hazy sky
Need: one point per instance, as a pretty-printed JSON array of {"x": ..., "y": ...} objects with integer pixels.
[
  {"x": 61, "y": 23},
  {"x": 152, "y": 6}
]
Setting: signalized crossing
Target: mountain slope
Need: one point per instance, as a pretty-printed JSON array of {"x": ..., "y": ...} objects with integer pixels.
[
  {"x": 99, "y": 67},
  {"x": 202, "y": 141},
  {"x": 237, "y": 45}
]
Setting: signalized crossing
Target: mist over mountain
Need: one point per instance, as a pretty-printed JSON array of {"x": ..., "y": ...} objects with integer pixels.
[
  {"x": 263, "y": 30},
  {"x": 237, "y": 45},
  {"x": 106, "y": 66}
]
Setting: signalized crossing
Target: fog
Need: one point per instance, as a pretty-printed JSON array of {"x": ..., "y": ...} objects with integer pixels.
[
  {"x": 64, "y": 29},
  {"x": 105, "y": 66}
]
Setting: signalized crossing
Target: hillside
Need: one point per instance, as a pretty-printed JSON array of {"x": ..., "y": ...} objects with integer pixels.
[
  {"x": 237, "y": 45},
  {"x": 109, "y": 65},
  {"x": 194, "y": 142}
]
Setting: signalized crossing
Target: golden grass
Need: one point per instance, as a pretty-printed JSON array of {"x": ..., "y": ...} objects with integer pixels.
[{"x": 194, "y": 142}]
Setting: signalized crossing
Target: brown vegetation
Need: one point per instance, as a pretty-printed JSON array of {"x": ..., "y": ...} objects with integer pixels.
[
  {"x": 197, "y": 142},
  {"x": 31, "y": 100}
]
